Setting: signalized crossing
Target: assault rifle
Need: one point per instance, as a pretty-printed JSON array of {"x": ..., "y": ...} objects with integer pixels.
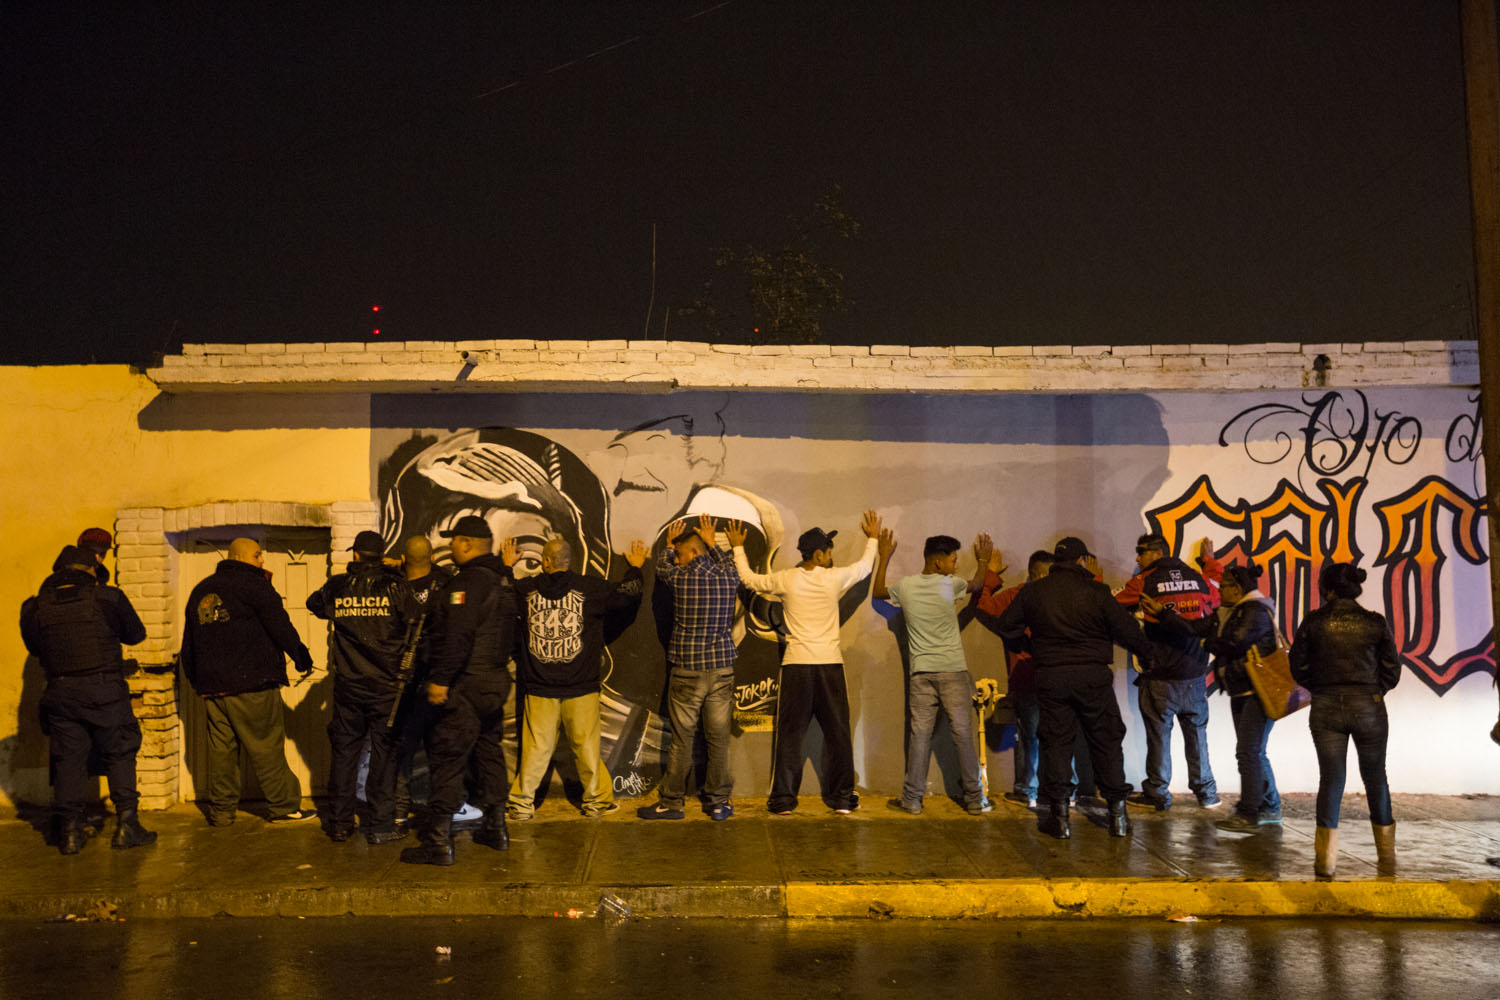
[{"x": 408, "y": 667}]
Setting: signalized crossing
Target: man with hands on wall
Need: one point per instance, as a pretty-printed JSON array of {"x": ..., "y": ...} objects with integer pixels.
[
  {"x": 939, "y": 675},
  {"x": 563, "y": 613},
  {"x": 811, "y": 683},
  {"x": 700, "y": 660}
]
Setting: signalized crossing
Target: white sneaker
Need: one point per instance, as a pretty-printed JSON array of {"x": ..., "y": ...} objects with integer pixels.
[{"x": 468, "y": 814}]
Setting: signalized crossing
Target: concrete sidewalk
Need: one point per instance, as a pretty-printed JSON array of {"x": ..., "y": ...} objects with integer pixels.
[{"x": 943, "y": 864}]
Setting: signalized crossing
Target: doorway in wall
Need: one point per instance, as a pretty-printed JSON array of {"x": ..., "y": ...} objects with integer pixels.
[{"x": 298, "y": 560}]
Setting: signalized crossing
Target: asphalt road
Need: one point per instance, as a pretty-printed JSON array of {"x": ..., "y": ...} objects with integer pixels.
[{"x": 372, "y": 957}]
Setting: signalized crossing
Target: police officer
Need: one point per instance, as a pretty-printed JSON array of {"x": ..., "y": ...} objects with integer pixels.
[
  {"x": 371, "y": 609},
  {"x": 75, "y": 626},
  {"x": 1070, "y": 623},
  {"x": 473, "y": 619},
  {"x": 424, "y": 578}
]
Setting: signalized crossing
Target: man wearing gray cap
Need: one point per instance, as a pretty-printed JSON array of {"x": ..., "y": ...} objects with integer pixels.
[
  {"x": 1070, "y": 623},
  {"x": 812, "y": 681},
  {"x": 370, "y": 608}
]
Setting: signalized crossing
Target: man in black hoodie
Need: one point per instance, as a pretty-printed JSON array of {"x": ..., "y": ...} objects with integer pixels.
[
  {"x": 1070, "y": 623},
  {"x": 473, "y": 622},
  {"x": 564, "y": 613},
  {"x": 75, "y": 626},
  {"x": 233, "y": 653},
  {"x": 370, "y": 607}
]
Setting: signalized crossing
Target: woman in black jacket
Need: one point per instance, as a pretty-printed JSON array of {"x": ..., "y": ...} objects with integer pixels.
[
  {"x": 1346, "y": 656},
  {"x": 1244, "y": 620}
]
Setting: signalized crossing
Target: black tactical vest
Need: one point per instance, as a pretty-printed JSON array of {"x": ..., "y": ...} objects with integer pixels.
[{"x": 76, "y": 637}]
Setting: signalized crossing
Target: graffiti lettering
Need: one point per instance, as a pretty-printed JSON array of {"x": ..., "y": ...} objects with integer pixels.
[
  {"x": 1413, "y": 552},
  {"x": 1335, "y": 433},
  {"x": 757, "y": 695},
  {"x": 631, "y": 785},
  {"x": 1293, "y": 534}
]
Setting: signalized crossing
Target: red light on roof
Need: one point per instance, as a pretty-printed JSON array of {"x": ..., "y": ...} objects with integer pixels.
[
  {"x": 376, "y": 331},
  {"x": 375, "y": 309}
]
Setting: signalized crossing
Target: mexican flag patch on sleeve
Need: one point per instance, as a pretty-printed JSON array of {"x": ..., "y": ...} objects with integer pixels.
[{"x": 456, "y": 597}]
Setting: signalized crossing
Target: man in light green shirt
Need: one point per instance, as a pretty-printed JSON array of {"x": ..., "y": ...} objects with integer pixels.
[{"x": 939, "y": 674}]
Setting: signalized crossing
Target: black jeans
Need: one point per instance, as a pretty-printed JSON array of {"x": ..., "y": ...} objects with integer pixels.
[
  {"x": 1252, "y": 730},
  {"x": 1074, "y": 697},
  {"x": 1333, "y": 719}
]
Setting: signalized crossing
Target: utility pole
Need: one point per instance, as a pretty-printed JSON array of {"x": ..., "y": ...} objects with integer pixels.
[{"x": 1482, "y": 94}]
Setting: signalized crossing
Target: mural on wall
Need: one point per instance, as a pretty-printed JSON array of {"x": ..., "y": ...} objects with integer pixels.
[
  {"x": 1317, "y": 514},
  {"x": 531, "y": 488}
]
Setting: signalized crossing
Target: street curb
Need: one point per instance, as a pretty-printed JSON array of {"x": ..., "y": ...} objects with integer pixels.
[
  {"x": 1117, "y": 898},
  {"x": 942, "y": 900}
]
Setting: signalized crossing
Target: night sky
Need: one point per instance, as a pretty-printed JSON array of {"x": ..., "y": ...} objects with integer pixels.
[{"x": 1023, "y": 172}]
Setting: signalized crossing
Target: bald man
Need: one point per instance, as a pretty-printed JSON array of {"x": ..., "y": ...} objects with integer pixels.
[{"x": 234, "y": 649}]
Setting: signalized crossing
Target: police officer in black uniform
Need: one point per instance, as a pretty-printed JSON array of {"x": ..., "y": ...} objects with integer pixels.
[
  {"x": 1071, "y": 623},
  {"x": 425, "y": 578},
  {"x": 75, "y": 626},
  {"x": 474, "y": 627},
  {"x": 370, "y": 607}
]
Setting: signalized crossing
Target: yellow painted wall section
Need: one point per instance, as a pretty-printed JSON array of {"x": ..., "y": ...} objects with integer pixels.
[{"x": 72, "y": 452}]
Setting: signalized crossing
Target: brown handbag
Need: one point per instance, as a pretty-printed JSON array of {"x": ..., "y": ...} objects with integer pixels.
[{"x": 1271, "y": 676}]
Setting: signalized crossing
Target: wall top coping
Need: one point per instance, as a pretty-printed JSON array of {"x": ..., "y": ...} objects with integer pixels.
[{"x": 656, "y": 366}]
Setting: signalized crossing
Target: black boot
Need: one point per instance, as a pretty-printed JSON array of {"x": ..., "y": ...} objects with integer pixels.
[
  {"x": 71, "y": 836},
  {"x": 128, "y": 830},
  {"x": 437, "y": 844},
  {"x": 492, "y": 832},
  {"x": 1054, "y": 822},
  {"x": 1119, "y": 821}
]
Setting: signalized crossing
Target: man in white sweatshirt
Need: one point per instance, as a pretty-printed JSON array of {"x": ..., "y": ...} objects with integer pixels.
[{"x": 812, "y": 665}]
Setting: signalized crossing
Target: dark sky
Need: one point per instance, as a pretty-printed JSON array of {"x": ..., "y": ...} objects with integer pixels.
[{"x": 1024, "y": 172}]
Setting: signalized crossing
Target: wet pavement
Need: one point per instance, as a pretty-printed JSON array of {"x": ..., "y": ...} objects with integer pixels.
[
  {"x": 385, "y": 957},
  {"x": 813, "y": 863}
]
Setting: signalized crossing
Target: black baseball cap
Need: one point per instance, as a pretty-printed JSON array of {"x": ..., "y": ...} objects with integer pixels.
[
  {"x": 469, "y": 526},
  {"x": 1070, "y": 549},
  {"x": 814, "y": 540},
  {"x": 368, "y": 543}
]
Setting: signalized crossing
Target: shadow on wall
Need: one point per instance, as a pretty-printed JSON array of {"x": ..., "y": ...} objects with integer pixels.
[
  {"x": 25, "y": 753},
  {"x": 1062, "y": 420},
  {"x": 252, "y": 411}
]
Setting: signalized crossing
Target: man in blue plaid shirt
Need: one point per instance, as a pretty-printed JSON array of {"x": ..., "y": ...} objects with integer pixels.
[{"x": 700, "y": 656}]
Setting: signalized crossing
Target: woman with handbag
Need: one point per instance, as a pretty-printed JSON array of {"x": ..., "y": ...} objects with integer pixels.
[
  {"x": 1245, "y": 621},
  {"x": 1346, "y": 656}
]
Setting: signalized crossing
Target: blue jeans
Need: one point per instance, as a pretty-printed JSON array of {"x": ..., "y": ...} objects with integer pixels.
[
  {"x": 693, "y": 695},
  {"x": 1028, "y": 716},
  {"x": 953, "y": 691},
  {"x": 1188, "y": 701},
  {"x": 1252, "y": 730},
  {"x": 1333, "y": 719}
]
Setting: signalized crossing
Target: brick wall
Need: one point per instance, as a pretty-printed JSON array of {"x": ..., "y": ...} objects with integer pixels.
[{"x": 659, "y": 366}]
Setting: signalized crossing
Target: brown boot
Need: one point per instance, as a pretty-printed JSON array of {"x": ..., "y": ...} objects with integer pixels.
[
  {"x": 1325, "y": 852},
  {"x": 1385, "y": 849}
]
